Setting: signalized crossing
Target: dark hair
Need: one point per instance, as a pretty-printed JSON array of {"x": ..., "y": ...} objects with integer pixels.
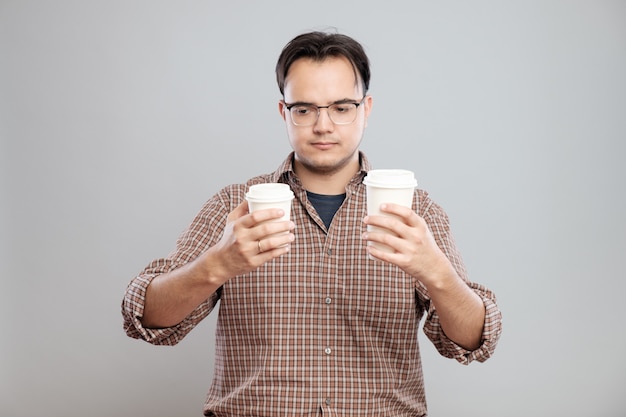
[{"x": 319, "y": 46}]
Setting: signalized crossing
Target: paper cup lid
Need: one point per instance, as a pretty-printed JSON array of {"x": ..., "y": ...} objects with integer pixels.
[
  {"x": 269, "y": 192},
  {"x": 390, "y": 178}
]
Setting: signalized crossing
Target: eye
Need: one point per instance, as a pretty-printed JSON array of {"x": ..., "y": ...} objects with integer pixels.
[
  {"x": 343, "y": 108},
  {"x": 302, "y": 110}
]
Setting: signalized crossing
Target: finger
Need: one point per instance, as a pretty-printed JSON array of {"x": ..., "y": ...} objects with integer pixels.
[
  {"x": 265, "y": 215},
  {"x": 275, "y": 242},
  {"x": 377, "y": 235},
  {"x": 269, "y": 228},
  {"x": 407, "y": 214},
  {"x": 379, "y": 254},
  {"x": 268, "y": 255},
  {"x": 390, "y": 223},
  {"x": 239, "y": 211}
]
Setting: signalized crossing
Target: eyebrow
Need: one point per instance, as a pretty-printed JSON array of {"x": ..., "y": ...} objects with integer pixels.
[{"x": 306, "y": 103}]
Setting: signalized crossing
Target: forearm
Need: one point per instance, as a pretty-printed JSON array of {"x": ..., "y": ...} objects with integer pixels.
[
  {"x": 171, "y": 297},
  {"x": 461, "y": 311},
  {"x": 174, "y": 295}
]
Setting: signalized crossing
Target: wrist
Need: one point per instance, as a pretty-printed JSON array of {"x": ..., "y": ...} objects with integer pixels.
[
  {"x": 210, "y": 270},
  {"x": 442, "y": 275}
]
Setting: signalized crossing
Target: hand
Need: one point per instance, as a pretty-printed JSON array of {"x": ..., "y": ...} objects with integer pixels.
[
  {"x": 250, "y": 240},
  {"x": 461, "y": 311},
  {"x": 414, "y": 248}
]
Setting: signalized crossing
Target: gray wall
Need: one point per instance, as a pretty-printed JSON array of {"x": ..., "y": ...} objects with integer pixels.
[{"x": 118, "y": 119}]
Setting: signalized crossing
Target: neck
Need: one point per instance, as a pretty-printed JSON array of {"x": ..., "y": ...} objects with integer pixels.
[{"x": 328, "y": 183}]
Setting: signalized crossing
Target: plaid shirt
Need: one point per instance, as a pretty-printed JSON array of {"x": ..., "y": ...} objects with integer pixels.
[{"x": 322, "y": 330}]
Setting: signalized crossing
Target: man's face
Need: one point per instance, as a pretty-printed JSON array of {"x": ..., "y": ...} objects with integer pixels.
[{"x": 324, "y": 147}]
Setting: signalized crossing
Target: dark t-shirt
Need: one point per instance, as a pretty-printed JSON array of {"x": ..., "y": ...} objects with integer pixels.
[{"x": 326, "y": 205}]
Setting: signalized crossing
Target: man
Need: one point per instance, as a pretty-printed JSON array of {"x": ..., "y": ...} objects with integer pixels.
[{"x": 308, "y": 323}]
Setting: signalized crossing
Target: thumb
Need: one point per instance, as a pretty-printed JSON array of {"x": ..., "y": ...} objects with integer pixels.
[{"x": 239, "y": 211}]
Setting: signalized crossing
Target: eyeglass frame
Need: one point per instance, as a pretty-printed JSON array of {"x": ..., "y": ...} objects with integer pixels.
[{"x": 356, "y": 107}]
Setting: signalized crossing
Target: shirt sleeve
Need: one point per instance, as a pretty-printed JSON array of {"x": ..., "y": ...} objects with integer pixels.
[
  {"x": 205, "y": 230},
  {"x": 132, "y": 312},
  {"x": 439, "y": 225}
]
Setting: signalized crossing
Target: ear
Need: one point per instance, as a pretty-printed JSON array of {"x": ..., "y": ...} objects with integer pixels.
[
  {"x": 367, "y": 105},
  {"x": 282, "y": 109}
]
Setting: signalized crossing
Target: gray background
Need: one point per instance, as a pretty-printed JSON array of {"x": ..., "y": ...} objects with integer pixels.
[{"x": 118, "y": 119}]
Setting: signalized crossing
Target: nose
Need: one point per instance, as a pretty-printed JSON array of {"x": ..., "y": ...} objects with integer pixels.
[{"x": 323, "y": 123}]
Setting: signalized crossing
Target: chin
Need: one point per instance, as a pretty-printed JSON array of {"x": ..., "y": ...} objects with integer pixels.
[{"x": 327, "y": 164}]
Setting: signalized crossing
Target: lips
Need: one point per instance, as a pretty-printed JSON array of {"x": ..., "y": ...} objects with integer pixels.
[{"x": 323, "y": 145}]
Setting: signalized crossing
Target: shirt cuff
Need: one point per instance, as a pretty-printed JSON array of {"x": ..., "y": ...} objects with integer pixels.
[
  {"x": 132, "y": 312},
  {"x": 492, "y": 329}
]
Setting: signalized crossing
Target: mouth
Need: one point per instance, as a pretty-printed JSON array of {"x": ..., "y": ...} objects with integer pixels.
[{"x": 323, "y": 145}]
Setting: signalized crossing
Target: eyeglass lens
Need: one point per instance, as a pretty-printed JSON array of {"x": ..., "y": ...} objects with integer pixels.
[{"x": 307, "y": 115}]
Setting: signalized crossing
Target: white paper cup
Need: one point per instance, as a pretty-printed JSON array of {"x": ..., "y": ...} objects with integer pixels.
[
  {"x": 388, "y": 186},
  {"x": 270, "y": 195}
]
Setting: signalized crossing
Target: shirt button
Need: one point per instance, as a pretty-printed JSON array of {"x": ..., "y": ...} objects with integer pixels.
[
  {"x": 330, "y": 252},
  {"x": 327, "y": 351},
  {"x": 328, "y": 300},
  {"x": 327, "y": 401}
]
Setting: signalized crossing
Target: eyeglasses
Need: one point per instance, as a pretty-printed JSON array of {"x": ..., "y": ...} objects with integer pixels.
[{"x": 342, "y": 113}]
